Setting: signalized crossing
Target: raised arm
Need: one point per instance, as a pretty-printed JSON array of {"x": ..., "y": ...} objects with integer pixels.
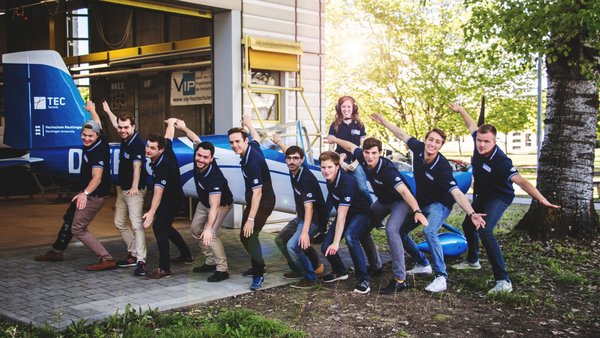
[
  {"x": 247, "y": 122},
  {"x": 349, "y": 146},
  {"x": 112, "y": 117},
  {"x": 469, "y": 122},
  {"x": 91, "y": 107},
  {"x": 180, "y": 125},
  {"x": 170, "y": 130},
  {"x": 532, "y": 191},
  {"x": 397, "y": 131},
  {"x": 276, "y": 138}
]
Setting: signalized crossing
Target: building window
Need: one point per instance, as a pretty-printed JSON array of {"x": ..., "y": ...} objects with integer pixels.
[
  {"x": 528, "y": 140},
  {"x": 267, "y": 100},
  {"x": 78, "y": 39}
]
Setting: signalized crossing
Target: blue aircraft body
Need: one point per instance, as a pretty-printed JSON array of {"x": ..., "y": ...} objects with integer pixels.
[{"x": 44, "y": 114}]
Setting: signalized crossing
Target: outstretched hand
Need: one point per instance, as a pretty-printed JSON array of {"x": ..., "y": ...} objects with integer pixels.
[
  {"x": 171, "y": 121},
  {"x": 545, "y": 203},
  {"x": 455, "y": 106},
  {"x": 378, "y": 118}
]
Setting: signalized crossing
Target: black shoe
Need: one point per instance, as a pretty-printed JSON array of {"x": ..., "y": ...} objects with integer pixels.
[
  {"x": 127, "y": 262},
  {"x": 250, "y": 272},
  {"x": 184, "y": 260},
  {"x": 205, "y": 268},
  {"x": 393, "y": 287},
  {"x": 140, "y": 269},
  {"x": 293, "y": 275},
  {"x": 375, "y": 272},
  {"x": 218, "y": 276},
  {"x": 332, "y": 277},
  {"x": 362, "y": 287}
]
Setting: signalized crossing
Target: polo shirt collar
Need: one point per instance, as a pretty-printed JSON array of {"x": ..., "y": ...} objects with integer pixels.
[
  {"x": 337, "y": 179},
  {"x": 135, "y": 134},
  {"x": 208, "y": 170},
  {"x": 493, "y": 153},
  {"x": 297, "y": 177},
  {"x": 159, "y": 160},
  {"x": 379, "y": 165},
  {"x": 94, "y": 145},
  {"x": 437, "y": 159}
]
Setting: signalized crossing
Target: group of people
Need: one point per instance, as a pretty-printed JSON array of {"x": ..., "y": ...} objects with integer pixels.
[{"x": 356, "y": 160}]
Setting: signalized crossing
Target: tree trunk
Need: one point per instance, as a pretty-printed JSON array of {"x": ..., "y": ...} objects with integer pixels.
[{"x": 566, "y": 163}]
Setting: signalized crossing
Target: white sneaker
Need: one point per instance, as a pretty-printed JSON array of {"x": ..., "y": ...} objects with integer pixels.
[
  {"x": 438, "y": 285},
  {"x": 420, "y": 270},
  {"x": 465, "y": 265},
  {"x": 501, "y": 286}
]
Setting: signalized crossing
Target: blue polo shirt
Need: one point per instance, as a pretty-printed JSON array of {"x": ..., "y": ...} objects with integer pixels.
[
  {"x": 256, "y": 175},
  {"x": 384, "y": 178},
  {"x": 352, "y": 132},
  {"x": 493, "y": 175},
  {"x": 96, "y": 155},
  {"x": 132, "y": 150},
  {"x": 165, "y": 173},
  {"x": 344, "y": 192},
  {"x": 212, "y": 182},
  {"x": 434, "y": 180},
  {"x": 307, "y": 190}
]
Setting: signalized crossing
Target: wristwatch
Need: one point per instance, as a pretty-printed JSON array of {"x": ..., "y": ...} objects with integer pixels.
[
  {"x": 86, "y": 193},
  {"x": 418, "y": 211}
]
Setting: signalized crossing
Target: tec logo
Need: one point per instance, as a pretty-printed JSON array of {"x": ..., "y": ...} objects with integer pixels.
[{"x": 48, "y": 102}]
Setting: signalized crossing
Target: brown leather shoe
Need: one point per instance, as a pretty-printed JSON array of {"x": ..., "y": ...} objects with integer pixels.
[
  {"x": 159, "y": 273},
  {"x": 102, "y": 265},
  {"x": 50, "y": 256},
  {"x": 320, "y": 269}
]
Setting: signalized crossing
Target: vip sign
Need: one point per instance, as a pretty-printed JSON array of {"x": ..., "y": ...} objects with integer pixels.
[{"x": 189, "y": 88}]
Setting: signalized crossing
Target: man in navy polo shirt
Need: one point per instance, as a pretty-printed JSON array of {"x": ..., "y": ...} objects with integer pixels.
[
  {"x": 393, "y": 198},
  {"x": 215, "y": 203},
  {"x": 311, "y": 215},
  {"x": 166, "y": 199},
  {"x": 352, "y": 222},
  {"x": 260, "y": 197},
  {"x": 95, "y": 187},
  {"x": 494, "y": 175},
  {"x": 131, "y": 190},
  {"x": 436, "y": 192},
  {"x": 289, "y": 230}
]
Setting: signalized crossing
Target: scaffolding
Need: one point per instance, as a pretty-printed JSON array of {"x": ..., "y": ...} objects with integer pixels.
[{"x": 275, "y": 55}]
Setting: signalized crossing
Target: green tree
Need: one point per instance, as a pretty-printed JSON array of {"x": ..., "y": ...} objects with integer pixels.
[
  {"x": 417, "y": 60},
  {"x": 568, "y": 34}
]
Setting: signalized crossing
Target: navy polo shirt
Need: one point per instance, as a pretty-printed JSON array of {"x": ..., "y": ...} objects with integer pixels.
[
  {"x": 344, "y": 192},
  {"x": 256, "y": 174},
  {"x": 132, "y": 150},
  {"x": 434, "y": 180},
  {"x": 165, "y": 173},
  {"x": 307, "y": 190},
  {"x": 212, "y": 182},
  {"x": 493, "y": 175},
  {"x": 97, "y": 155},
  {"x": 352, "y": 132},
  {"x": 384, "y": 178}
]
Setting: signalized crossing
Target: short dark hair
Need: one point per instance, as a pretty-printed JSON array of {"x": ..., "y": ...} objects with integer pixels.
[
  {"x": 371, "y": 142},
  {"x": 487, "y": 128},
  {"x": 127, "y": 116},
  {"x": 294, "y": 150},
  {"x": 206, "y": 146},
  {"x": 158, "y": 138},
  {"x": 238, "y": 130},
  {"x": 439, "y": 132},
  {"x": 330, "y": 156}
]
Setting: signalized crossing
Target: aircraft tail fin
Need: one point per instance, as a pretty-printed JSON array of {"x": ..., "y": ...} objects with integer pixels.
[{"x": 43, "y": 107}]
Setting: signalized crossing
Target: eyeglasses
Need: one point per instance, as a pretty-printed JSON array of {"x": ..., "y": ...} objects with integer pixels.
[{"x": 293, "y": 158}]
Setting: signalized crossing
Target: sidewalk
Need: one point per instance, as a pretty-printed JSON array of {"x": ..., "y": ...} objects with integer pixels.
[{"x": 58, "y": 293}]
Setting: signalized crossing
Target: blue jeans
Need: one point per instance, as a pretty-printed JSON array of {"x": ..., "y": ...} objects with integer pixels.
[
  {"x": 355, "y": 227},
  {"x": 436, "y": 214},
  {"x": 361, "y": 178},
  {"x": 298, "y": 256},
  {"x": 398, "y": 212},
  {"x": 494, "y": 208}
]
